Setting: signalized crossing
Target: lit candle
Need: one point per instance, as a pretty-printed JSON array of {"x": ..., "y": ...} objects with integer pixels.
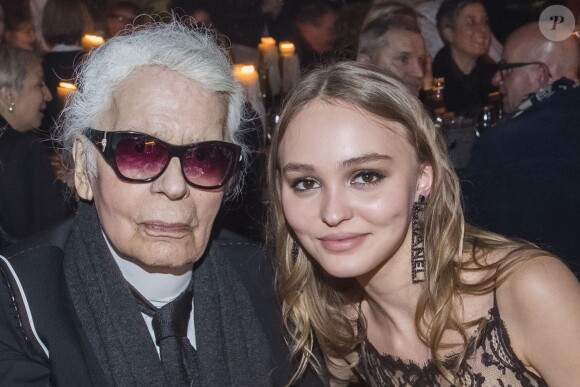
[
  {"x": 91, "y": 41},
  {"x": 269, "y": 52},
  {"x": 62, "y": 93},
  {"x": 287, "y": 49},
  {"x": 267, "y": 44},
  {"x": 290, "y": 65},
  {"x": 246, "y": 74},
  {"x": 248, "y": 77}
]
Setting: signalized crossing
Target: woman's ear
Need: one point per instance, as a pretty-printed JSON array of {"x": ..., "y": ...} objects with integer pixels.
[
  {"x": 448, "y": 34},
  {"x": 424, "y": 181},
  {"x": 81, "y": 177},
  {"x": 6, "y": 96}
]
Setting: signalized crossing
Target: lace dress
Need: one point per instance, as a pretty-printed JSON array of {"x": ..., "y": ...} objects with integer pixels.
[{"x": 490, "y": 362}]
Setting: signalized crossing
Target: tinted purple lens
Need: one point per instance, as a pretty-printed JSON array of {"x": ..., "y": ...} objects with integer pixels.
[
  {"x": 207, "y": 165},
  {"x": 140, "y": 158}
]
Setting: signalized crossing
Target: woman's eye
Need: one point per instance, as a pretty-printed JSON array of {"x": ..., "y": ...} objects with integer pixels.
[
  {"x": 304, "y": 184},
  {"x": 367, "y": 177}
]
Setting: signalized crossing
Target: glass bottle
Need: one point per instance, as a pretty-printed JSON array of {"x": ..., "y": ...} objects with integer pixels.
[{"x": 435, "y": 102}]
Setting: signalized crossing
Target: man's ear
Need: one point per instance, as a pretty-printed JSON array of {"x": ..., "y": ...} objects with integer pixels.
[
  {"x": 424, "y": 181},
  {"x": 544, "y": 74},
  {"x": 81, "y": 177}
]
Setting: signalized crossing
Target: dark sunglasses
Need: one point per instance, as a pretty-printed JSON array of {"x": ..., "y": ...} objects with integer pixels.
[
  {"x": 139, "y": 157},
  {"x": 502, "y": 65}
]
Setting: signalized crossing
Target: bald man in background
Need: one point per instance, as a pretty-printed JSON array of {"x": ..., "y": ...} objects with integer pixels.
[{"x": 523, "y": 178}]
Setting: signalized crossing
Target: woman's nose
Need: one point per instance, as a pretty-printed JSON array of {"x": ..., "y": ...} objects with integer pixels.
[
  {"x": 47, "y": 94},
  {"x": 336, "y": 207}
]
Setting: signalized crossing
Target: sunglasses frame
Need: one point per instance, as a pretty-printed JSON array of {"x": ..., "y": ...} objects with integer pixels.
[
  {"x": 502, "y": 66},
  {"x": 106, "y": 143}
]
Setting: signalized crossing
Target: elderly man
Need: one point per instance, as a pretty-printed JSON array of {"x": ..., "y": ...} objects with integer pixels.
[
  {"x": 393, "y": 42},
  {"x": 524, "y": 174},
  {"x": 136, "y": 289}
]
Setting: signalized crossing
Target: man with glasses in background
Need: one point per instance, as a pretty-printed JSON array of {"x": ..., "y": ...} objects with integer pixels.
[{"x": 524, "y": 174}]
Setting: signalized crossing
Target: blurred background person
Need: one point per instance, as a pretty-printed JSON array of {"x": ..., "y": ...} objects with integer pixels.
[
  {"x": 37, "y": 10},
  {"x": 314, "y": 28},
  {"x": 63, "y": 25},
  {"x": 463, "y": 61},
  {"x": 30, "y": 196},
  {"x": 524, "y": 174},
  {"x": 393, "y": 42},
  {"x": 19, "y": 28},
  {"x": 427, "y": 11},
  {"x": 120, "y": 14},
  {"x": 348, "y": 25}
]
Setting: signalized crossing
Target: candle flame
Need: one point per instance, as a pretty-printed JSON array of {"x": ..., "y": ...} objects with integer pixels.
[
  {"x": 94, "y": 39},
  {"x": 248, "y": 69},
  {"x": 286, "y": 45},
  {"x": 268, "y": 40},
  {"x": 67, "y": 85}
]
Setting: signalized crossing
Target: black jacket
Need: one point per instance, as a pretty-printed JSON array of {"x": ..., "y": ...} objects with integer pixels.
[
  {"x": 31, "y": 198},
  {"x": 37, "y": 316}
]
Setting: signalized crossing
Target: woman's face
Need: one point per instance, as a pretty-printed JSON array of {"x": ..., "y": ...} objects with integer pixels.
[
  {"x": 164, "y": 224},
  {"x": 22, "y": 37},
  {"x": 30, "y": 102},
  {"x": 348, "y": 183},
  {"x": 471, "y": 34}
]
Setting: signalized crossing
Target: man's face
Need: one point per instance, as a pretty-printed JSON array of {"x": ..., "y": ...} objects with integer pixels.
[
  {"x": 320, "y": 36},
  {"x": 515, "y": 84},
  {"x": 404, "y": 54},
  {"x": 165, "y": 223}
]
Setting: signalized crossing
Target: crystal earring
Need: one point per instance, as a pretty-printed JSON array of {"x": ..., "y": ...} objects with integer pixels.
[
  {"x": 295, "y": 250},
  {"x": 417, "y": 250},
  {"x": 11, "y": 107}
]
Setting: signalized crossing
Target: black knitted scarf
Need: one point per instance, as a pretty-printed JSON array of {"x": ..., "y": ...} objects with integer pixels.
[{"x": 231, "y": 346}]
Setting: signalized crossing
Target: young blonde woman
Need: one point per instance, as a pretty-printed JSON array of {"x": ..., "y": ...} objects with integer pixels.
[{"x": 376, "y": 267}]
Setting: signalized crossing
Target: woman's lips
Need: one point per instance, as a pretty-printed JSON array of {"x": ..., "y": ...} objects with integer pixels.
[
  {"x": 156, "y": 228},
  {"x": 340, "y": 243}
]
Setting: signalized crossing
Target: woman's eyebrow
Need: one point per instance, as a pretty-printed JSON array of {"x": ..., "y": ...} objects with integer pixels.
[
  {"x": 349, "y": 163},
  {"x": 364, "y": 159},
  {"x": 297, "y": 167}
]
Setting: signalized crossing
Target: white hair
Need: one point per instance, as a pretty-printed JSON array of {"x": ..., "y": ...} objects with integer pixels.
[{"x": 192, "y": 52}]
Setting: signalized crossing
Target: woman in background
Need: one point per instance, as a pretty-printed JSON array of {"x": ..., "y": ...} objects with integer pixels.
[
  {"x": 376, "y": 265},
  {"x": 30, "y": 196},
  {"x": 19, "y": 29},
  {"x": 463, "y": 61}
]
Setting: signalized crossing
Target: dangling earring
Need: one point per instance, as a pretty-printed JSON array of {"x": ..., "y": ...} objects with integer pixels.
[
  {"x": 11, "y": 107},
  {"x": 417, "y": 251},
  {"x": 295, "y": 250}
]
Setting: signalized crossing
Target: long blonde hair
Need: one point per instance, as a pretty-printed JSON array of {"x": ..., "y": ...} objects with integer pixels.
[{"x": 313, "y": 302}]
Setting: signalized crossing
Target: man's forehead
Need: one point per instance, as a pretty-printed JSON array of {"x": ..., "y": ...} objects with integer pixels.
[{"x": 404, "y": 40}]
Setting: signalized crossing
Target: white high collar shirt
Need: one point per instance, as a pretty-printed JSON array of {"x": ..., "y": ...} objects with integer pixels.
[{"x": 157, "y": 288}]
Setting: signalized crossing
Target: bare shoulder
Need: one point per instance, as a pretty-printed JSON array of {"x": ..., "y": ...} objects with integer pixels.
[
  {"x": 540, "y": 282},
  {"x": 540, "y": 306}
]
